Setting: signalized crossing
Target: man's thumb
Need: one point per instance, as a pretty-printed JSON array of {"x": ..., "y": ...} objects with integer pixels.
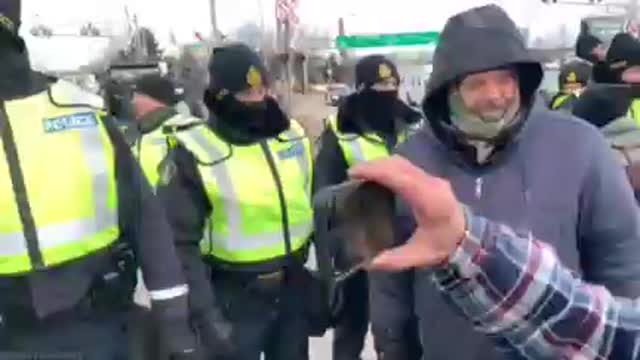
[{"x": 397, "y": 259}]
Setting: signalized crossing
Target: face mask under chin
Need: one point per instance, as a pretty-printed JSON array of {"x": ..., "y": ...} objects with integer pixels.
[
  {"x": 243, "y": 124},
  {"x": 480, "y": 126}
]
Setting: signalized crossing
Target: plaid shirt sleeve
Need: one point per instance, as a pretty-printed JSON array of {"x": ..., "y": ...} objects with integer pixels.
[{"x": 514, "y": 288}]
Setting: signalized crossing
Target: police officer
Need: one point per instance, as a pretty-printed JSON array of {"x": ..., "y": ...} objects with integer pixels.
[
  {"x": 589, "y": 47},
  {"x": 164, "y": 88},
  {"x": 146, "y": 138},
  {"x": 369, "y": 124},
  {"x": 72, "y": 232},
  {"x": 572, "y": 80},
  {"x": 614, "y": 107},
  {"x": 237, "y": 192}
]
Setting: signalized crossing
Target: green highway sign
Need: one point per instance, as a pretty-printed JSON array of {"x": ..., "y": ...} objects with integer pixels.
[{"x": 385, "y": 40}]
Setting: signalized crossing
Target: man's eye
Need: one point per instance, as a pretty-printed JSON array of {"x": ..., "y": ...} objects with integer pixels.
[{"x": 474, "y": 85}]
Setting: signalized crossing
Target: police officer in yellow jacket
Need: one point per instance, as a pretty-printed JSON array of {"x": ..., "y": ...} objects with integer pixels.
[
  {"x": 614, "y": 107},
  {"x": 572, "y": 80},
  {"x": 72, "y": 231},
  {"x": 237, "y": 192},
  {"x": 146, "y": 137},
  {"x": 369, "y": 124}
]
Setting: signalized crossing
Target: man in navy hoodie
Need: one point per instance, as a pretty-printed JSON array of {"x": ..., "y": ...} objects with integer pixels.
[{"x": 510, "y": 160}]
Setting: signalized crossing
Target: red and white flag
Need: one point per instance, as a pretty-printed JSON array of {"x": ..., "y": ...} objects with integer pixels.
[{"x": 286, "y": 10}]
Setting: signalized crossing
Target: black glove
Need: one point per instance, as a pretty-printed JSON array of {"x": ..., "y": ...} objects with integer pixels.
[
  {"x": 180, "y": 340},
  {"x": 215, "y": 333},
  {"x": 175, "y": 332}
]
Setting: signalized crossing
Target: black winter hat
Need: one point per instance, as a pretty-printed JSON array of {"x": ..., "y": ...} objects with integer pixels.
[
  {"x": 158, "y": 87},
  {"x": 584, "y": 46},
  {"x": 10, "y": 15},
  {"x": 624, "y": 48},
  {"x": 574, "y": 72},
  {"x": 373, "y": 69},
  {"x": 623, "y": 53},
  {"x": 235, "y": 68}
]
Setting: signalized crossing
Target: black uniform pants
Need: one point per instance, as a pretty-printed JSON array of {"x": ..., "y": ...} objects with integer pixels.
[
  {"x": 352, "y": 322},
  {"x": 75, "y": 335},
  {"x": 267, "y": 319}
]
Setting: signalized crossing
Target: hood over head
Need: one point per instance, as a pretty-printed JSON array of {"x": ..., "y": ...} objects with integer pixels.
[{"x": 480, "y": 39}]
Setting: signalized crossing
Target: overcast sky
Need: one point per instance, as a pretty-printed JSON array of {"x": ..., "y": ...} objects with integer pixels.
[
  {"x": 185, "y": 17},
  {"x": 372, "y": 16}
]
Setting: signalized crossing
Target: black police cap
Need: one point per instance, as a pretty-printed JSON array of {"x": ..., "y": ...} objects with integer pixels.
[
  {"x": 373, "y": 69},
  {"x": 10, "y": 15},
  {"x": 235, "y": 68}
]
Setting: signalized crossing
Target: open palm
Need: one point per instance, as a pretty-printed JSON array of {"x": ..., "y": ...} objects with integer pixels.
[{"x": 439, "y": 216}]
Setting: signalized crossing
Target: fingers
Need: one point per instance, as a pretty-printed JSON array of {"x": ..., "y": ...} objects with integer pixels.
[
  {"x": 387, "y": 261},
  {"x": 401, "y": 258},
  {"x": 395, "y": 173},
  {"x": 413, "y": 185}
]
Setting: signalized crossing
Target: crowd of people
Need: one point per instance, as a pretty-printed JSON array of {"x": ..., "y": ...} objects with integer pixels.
[{"x": 215, "y": 209}]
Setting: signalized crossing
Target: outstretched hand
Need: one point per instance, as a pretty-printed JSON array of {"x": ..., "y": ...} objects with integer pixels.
[{"x": 440, "y": 218}]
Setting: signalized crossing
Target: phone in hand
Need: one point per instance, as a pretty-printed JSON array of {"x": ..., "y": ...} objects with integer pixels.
[{"x": 356, "y": 219}]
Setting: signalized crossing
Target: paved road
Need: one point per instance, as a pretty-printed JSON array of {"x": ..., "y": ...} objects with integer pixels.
[{"x": 310, "y": 110}]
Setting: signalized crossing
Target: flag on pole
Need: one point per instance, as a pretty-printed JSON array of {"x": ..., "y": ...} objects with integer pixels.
[{"x": 286, "y": 11}]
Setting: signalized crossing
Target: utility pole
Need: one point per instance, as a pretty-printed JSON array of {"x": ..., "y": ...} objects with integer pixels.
[
  {"x": 633, "y": 9},
  {"x": 286, "y": 51},
  {"x": 215, "y": 32},
  {"x": 261, "y": 14}
]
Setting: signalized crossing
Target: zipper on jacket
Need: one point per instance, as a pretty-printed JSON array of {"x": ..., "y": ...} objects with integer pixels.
[
  {"x": 286, "y": 232},
  {"x": 479, "y": 183}
]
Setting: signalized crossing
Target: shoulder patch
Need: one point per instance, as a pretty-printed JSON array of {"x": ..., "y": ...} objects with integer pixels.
[
  {"x": 296, "y": 149},
  {"x": 70, "y": 122}
]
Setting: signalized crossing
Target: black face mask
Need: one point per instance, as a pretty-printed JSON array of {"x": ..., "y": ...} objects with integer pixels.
[
  {"x": 16, "y": 77},
  {"x": 378, "y": 110},
  {"x": 242, "y": 124}
]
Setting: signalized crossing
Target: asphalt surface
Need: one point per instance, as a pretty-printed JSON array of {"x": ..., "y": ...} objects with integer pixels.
[{"x": 310, "y": 110}]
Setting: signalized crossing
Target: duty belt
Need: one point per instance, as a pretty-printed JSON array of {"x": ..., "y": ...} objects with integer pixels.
[{"x": 268, "y": 281}]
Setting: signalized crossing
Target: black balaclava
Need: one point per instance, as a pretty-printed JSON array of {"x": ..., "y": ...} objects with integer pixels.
[
  {"x": 623, "y": 53},
  {"x": 244, "y": 124},
  {"x": 609, "y": 100},
  {"x": 378, "y": 109},
  {"x": 234, "y": 68},
  {"x": 374, "y": 110},
  {"x": 16, "y": 77}
]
